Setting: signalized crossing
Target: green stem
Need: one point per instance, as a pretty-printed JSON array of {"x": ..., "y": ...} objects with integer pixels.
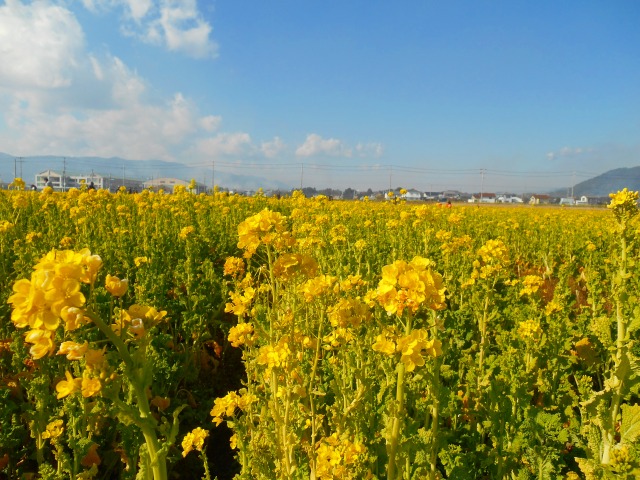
[
  {"x": 207, "y": 473},
  {"x": 399, "y": 414},
  {"x": 395, "y": 425},
  {"x": 616, "y": 400},
  {"x": 147, "y": 423}
]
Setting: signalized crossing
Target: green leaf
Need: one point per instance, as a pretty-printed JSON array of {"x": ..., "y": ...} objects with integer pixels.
[{"x": 630, "y": 428}]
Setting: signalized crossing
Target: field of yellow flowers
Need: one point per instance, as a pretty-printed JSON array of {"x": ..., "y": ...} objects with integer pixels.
[{"x": 177, "y": 336}]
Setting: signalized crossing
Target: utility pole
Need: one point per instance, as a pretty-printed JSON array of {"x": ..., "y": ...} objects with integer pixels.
[
  {"x": 573, "y": 182},
  {"x": 21, "y": 160},
  {"x": 390, "y": 176},
  {"x": 481, "y": 183},
  {"x": 64, "y": 174}
]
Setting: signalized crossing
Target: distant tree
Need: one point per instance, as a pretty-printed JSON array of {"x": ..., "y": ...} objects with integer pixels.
[
  {"x": 348, "y": 194},
  {"x": 309, "y": 192}
]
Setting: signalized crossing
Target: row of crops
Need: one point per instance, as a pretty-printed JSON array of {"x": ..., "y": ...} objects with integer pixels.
[{"x": 156, "y": 336}]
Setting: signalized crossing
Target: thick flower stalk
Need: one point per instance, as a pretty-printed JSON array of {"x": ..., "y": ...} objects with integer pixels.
[
  {"x": 52, "y": 299},
  {"x": 409, "y": 287}
]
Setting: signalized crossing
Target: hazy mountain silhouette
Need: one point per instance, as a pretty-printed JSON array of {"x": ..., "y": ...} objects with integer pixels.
[{"x": 608, "y": 182}]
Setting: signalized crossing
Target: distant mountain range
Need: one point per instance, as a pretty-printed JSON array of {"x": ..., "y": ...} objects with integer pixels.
[
  {"x": 28, "y": 167},
  {"x": 608, "y": 182}
]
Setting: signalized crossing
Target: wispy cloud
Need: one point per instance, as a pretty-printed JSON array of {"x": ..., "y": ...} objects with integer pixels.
[
  {"x": 316, "y": 145},
  {"x": 225, "y": 144},
  {"x": 273, "y": 148},
  {"x": 566, "y": 152},
  {"x": 177, "y": 25}
]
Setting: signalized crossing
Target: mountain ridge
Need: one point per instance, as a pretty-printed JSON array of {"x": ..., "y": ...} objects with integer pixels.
[{"x": 604, "y": 184}]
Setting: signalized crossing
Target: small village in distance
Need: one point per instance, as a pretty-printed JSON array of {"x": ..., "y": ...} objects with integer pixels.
[{"x": 64, "y": 182}]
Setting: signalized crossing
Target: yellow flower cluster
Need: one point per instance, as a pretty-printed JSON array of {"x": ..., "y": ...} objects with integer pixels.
[
  {"x": 226, "y": 406},
  {"x": 87, "y": 385},
  {"x": 317, "y": 286},
  {"x": 412, "y": 347},
  {"x": 194, "y": 440},
  {"x": 624, "y": 204},
  {"x": 240, "y": 302},
  {"x": 138, "y": 261},
  {"x": 241, "y": 334},
  {"x": 234, "y": 266},
  {"x": 531, "y": 284},
  {"x": 494, "y": 257},
  {"x": 338, "y": 337},
  {"x": 137, "y": 319},
  {"x": 266, "y": 227},
  {"x": 53, "y": 293},
  {"x": 456, "y": 244},
  {"x": 288, "y": 265},
  {"x": 529, "y": 329},
  {"x": 493, "y": 251},
  {"x": 5, "y": 226},
  {"x": 410, "y": 285},
  {"x": 186, "y": 231},
  {"x": 337, "y": 456},
  {"x": 18, "y": 184},
  {"x": 349, "y": 312},
  {"x": 54, "y": 429},
  {"x": 274, "y": 356}
]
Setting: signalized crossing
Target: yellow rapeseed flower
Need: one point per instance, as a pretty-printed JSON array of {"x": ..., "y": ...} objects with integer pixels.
[
  {"x": 90, "y": 386},
  {"x": 529, "y": 329},
  {"x": 68, "y": 386},
  {"x": 241, "y": 334},
  {"x": 116, "y": 286},
  {"x": 73, "y": 350},
  {"x": 410, "y": 285},
  {"x": 624, "y": 204},
  {"x": 54, "y": 429},
  {"x": 194, "y": 440}
]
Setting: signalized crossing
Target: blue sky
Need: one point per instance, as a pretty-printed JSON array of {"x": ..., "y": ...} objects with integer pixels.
[{"x": 498, "y": 95}]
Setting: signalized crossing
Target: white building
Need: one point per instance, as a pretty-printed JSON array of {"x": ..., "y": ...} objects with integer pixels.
[{"x": 49, "y": 177}]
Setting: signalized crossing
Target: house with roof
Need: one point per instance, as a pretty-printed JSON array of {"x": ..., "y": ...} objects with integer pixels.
[
  {"x": 483, "y": 198},
  {"x": 537, "y": 199},
  {"x": 412, "y": 194}
]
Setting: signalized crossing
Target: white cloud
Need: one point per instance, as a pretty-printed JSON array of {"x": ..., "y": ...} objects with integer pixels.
[
  {"x": 373, "y": 149},
  {"x": 177, "y": 25},
  {"x": 568, "y": 152},
  {"x": 225, "y": 144},
  {"x": 39, "y": 45},
  {"x": 272, "y": 148},
  {"x": 56, "y": 98},
  {"x": 316, "y": 145},
  {"x": 210, "y": 123},
  {"x": 138, "y": 9},
  {"x": 184, "y": 30}
]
